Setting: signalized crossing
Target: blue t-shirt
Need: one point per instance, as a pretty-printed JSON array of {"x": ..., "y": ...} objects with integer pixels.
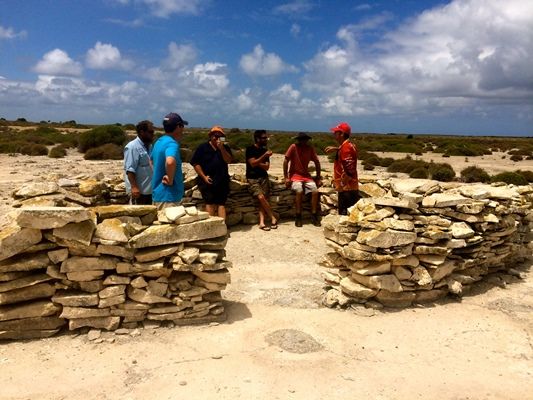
[
  {"x": 137, "y": 160},
  {"x": 165, "y": 147}
]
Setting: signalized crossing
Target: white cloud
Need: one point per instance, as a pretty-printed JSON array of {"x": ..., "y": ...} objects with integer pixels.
[
  {"x": 295, "y": 8},
  {"x": 460, "y": 56},
  {"x": 166, "y": 8},
  {"x": 9, "y": 33},
  {"x": 106, "y": 56},
  {"x": 180, "y": 55},
  {"x": 295, "y": 30},
  {"x": 57, "y": 62},
  {"x": 244, "y": 101},
  {"x": 260, "y": 63},
  {"x": 209, "y": 79}
]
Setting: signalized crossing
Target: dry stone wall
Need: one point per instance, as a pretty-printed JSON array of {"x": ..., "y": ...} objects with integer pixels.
[
  {"x": 415, "y": 241},
  {"x": 99, "y": 190},
  {"x": 108, "y": 267}
]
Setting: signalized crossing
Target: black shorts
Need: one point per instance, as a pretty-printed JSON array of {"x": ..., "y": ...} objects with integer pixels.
[
  {"x": 143, "y": 199},
  {"x": 346, "y": 200},
  {"x": 215, "y": 193}
]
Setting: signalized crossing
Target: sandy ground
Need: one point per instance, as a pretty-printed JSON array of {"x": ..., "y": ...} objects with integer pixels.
[{"x": 278, "y": 342}]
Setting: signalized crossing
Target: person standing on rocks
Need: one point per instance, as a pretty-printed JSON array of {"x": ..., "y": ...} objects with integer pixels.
[
  {"x": 138, "y": 166},
  {"x": 345, "y": 168},
  {"x": 257, "y": 165},
  {"x": 167, "y": 180},
  {"x": 298, "y": 178},
  {"x": 210, "y": 161}
]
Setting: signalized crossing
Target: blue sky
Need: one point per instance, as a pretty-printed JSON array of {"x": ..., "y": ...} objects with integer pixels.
[{"x": 432, "y": 66}]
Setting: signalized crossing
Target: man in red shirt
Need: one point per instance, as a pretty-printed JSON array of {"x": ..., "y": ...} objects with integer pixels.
[
  {"x": 345, "y": 168},
  {"x": 297, "y": 176}
]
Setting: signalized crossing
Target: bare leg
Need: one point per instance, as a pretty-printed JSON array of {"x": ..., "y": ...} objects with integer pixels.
[
  {"x": 222, "y": 211},
  {"x": 211, "y": 209},
  {"x": 298, "y": 202},
  {"x": 314, "y": 202},
  {"x": 265, "y": 205}
]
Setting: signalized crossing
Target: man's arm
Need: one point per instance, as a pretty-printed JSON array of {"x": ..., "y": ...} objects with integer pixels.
[
  {"x": 261, "y": 161},
  {"x": 199, "y": 170},
  {"x": 226, "y": 155},
  {"x": 135, "y": 191},
  {"x": 286, "y": 172},
  {"x": 170, "y": 170}
]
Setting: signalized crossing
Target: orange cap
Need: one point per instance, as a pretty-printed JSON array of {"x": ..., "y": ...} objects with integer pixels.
[{"x": 217, "y": 129}]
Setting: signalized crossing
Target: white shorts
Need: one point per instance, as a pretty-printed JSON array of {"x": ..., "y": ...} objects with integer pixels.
[{"x": 309, "y": 186}]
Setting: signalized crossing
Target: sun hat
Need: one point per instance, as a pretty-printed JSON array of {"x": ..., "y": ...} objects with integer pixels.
[
  {"x": 217, "y": 129},
  {"x": 302, "y": 136}
]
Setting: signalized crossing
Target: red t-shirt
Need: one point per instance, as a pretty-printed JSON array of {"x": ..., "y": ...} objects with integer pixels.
[
  {"x": 299, "y": 157},
  {"x": 345, "y": 167}
]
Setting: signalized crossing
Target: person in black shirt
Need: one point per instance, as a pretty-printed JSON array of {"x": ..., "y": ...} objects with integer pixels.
[
  {"x": 210, "y": 161},
  {"x": 257, "y": 165}
]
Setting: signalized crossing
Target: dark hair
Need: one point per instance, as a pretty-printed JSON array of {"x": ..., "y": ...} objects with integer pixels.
[
  {"x": 143, "y": 126},
  {"x": 258, "y": 133},
  {"x": 170, "y": 126}
]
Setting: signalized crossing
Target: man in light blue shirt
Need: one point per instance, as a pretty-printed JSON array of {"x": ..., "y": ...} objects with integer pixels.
[
  {"x": 138, "y": 166},
  {"x": 167, "y": 181}
]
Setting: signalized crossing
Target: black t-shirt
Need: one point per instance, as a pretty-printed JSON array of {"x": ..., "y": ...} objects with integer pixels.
[
  {"x": 212, "y": 162},
  {"x": 257, "y": 172}
]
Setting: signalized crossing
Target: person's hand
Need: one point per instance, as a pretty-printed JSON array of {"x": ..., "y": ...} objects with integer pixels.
[
  {"x": 288, "y": 182},
  {"x": 318, "y": 181},
  {"x": 331, "y": 149},
  {"x": 269, "y": 153},
  {"x": 135, "y": 192},
  {"x": 166, "y": 180},
  {"x": 208, "y": 179}
]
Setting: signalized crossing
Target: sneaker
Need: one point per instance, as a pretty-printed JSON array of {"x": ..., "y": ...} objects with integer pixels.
[
  {"x": 315, "y": 218},
  {"x": 298, "y": 221}
]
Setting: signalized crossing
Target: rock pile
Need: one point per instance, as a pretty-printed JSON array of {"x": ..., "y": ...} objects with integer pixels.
[
  {"x": 420, "y": 240},
  {"x": 109, "y": 267}
]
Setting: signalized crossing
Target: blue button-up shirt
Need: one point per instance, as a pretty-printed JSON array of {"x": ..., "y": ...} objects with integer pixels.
[{"x": 137, "y": 160}]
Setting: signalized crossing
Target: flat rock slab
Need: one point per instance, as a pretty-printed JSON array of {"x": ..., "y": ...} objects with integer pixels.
[
  {"x": 14, "y": 240},
  {"x": 29, "y": 310},
  {"x": 52, "y": 217}
]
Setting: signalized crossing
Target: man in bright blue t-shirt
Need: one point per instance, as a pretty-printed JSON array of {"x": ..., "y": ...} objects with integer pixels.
[{"x": 167, "y": 181}]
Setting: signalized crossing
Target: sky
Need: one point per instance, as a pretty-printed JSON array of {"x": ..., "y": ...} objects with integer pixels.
[{"x": 404, "y": 66}]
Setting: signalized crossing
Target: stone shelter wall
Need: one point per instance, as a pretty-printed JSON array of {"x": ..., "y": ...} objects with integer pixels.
[
  {"x": 108, "y": 267},
  {"x": 415, "y": 241}
]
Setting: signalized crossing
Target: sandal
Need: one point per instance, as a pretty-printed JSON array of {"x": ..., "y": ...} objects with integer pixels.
[
  {"x": 274, "y": 226},
  {"x": 265, "y": 228}
]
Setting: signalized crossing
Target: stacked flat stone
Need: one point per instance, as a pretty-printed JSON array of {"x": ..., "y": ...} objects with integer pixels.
[
  {"x": 422, "y": 240},
  {"x": 109, "y": 267}
]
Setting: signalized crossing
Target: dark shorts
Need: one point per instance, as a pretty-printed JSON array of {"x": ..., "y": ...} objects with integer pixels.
[
  {"x": 214, "y": 194},
  {"x": 346, "y": 200},
  {"x": 259, "y": 186},
  {"x": 143, "y": 199}
]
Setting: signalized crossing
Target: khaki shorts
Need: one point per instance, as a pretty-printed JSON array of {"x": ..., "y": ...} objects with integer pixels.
[
  {"x": 299, "y": 186},
  {"x": 259, "y": 186}
]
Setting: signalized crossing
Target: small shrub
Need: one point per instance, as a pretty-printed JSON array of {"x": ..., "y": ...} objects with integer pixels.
[
  {"x": 405, "y": 165},
  {"x": 57, "y": 152},
  {"x": 474, "y": 174},
  {"x": 107, "y": 151},
  {"x": 441, "y": 172},
  {"x": 101, "y": 135},
  {"x": 385, "y": 162},
  {"x": 516, "y": 157},
  {"x": 369, "y": 167},
  {"x": 513, "y": 178},
  {"x": 526, "y": 174},
  {"x": 34, "y": 149},
  {"x": 419, "y": 173}
]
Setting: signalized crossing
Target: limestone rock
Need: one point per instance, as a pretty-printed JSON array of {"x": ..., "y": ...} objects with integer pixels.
[
  {"x": 35, "y": 309},
  {"x": 221, "y": 277},
  {"x": 374, "y": 268},
  {"x": 83, "y": 312},
  {"x": 112, "y": 229},
  {"x": 57, "y": 256},
  {"x": 387, "y": 282},
  {"x": 29, "y": 334},
  {"x": 395, "y": 299},
  {"x": 386, "y": 239},
  {"x": 111, "y": 291},
  {"x": 461, "y": 230},
  {"x": 52, "y": 217},
  {"x": 107, "y": 323},
  {"x": 39, "y": 291},
  {"x": 112, "y": 211},
  {"x": 118, "y": 251},
  {"x": 356, "y": 290},
  {"x": 439, "y": 200},
  {"x": 75, "y": 299},
  {"x": 143, "y": 296},
  {"x": 14, "y": 240},
  {"x": 26, "y": 281},
  {"x": 154, "y": 253},
  {"x": 35, "y": 323},
  {"x": 157, "y": 235},
  {"x": 78, "y": 264},
  {"x": 81, "y": 232}
]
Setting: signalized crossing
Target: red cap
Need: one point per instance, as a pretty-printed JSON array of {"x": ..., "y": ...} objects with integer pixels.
[{"x": 342, "y": 127}]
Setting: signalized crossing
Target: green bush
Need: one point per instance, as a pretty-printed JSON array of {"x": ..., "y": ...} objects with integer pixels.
[
  {"x": 474, "y": 174},
  {"x": 419, "y": 173},
  {"x": 57, "y": 152},
  {"x": 510, "y": 178},
  {"x": 368, "y": 167},
  {"x": 34, "y": 149},
  {"x": 101, "y": 135},
  {"x": 405, "y": 165},
  {"x": 108, "y": 151},
  {"x": 516, "y": 157},
  {"x": 385, "y": 162},
  {"x": 442, "y": 172},
  {"x": 526, "y": 174}
]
